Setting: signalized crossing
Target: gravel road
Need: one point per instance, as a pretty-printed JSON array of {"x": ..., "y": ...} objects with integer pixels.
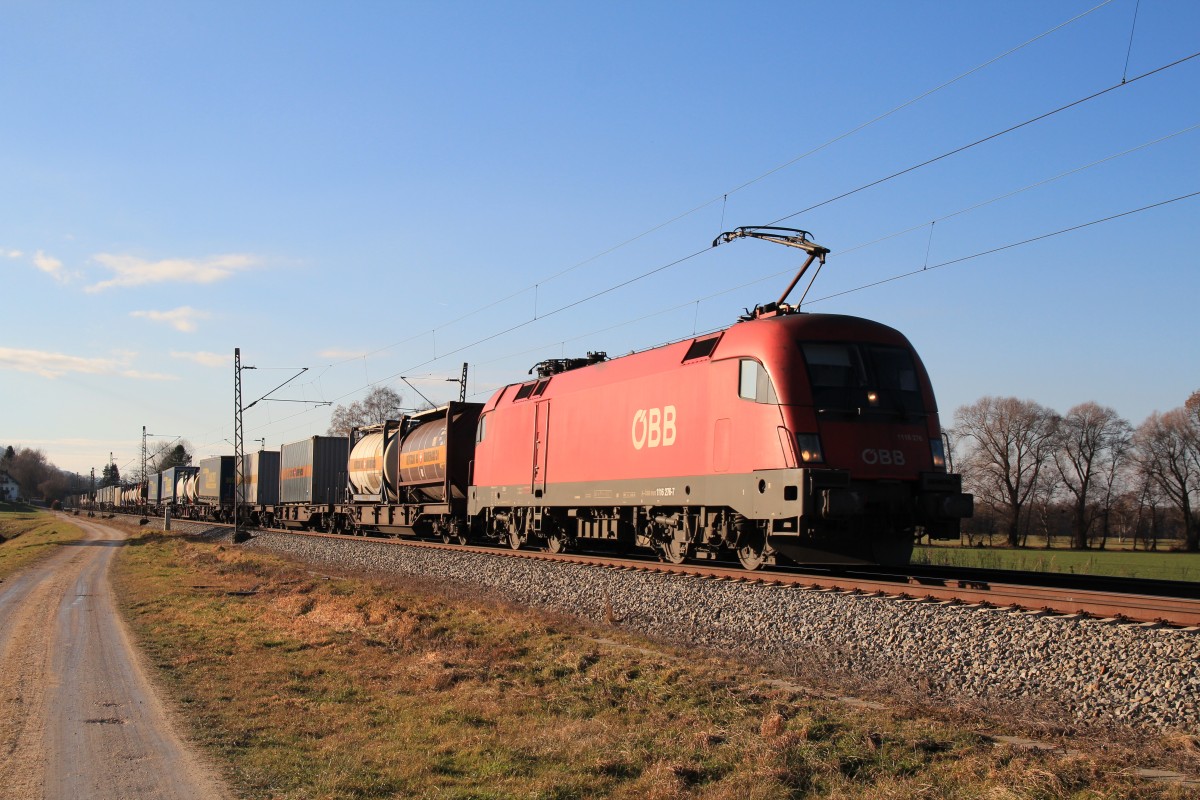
[{"x": 78, "y": 718}]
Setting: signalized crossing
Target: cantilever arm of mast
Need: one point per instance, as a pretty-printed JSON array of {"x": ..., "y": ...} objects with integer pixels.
[{"x": 277, "y": 388}]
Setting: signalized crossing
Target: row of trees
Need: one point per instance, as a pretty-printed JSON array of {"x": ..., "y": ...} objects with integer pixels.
[
  {"x": 1025, "y": 462},
  {"x": 39, "y": 478}
]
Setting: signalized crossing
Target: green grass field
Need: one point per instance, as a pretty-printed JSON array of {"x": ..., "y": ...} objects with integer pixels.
[{"x": 1123, "y": 563}]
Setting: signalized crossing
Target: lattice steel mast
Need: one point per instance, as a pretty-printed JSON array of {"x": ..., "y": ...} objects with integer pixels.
[{"x": 239, "y": 535}]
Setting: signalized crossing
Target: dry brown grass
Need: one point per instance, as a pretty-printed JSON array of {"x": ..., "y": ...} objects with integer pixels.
[
  {"x": 349, "y": 688},
  {"x": 29, "y": 536}
]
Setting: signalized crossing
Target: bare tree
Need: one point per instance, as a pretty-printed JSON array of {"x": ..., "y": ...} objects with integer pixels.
[
  {"x": 1168, "y": 451},
  {"x": 1139, "y": 505},
  {"x": 381, "y": 404},
  {"x": 171, "y": 454},
  {"x": 1011, "y": 442},
  {"x": 1092, "y": 440},
  {"x": 55, "y": 486},
  {"x": 29, "y": 468}
]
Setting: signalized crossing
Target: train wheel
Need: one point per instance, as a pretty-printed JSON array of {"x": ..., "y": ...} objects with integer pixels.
[
  {"x": 674, "y": 551},
  {"x": 556, "y": 543},
  {"x": 514, "y": 539},
  {"x": 752, "y": 555}
]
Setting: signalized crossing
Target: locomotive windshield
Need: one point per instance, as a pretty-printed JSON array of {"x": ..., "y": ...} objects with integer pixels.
[{"x": 862, "y": 378}]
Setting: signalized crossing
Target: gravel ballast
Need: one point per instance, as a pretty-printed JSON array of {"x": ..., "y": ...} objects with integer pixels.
[{"x": 1071, "y": 668}]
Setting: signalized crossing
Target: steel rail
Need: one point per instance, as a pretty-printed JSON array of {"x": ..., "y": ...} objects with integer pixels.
[{"x": 1116, "y": 606}]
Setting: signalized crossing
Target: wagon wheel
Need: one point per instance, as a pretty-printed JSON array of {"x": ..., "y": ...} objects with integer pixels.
[
  {"x": 556, "y": 543},
  {"x": 514, "y": 539},
  {"x": 674, "y": 551},
  {"x": 446, "y": 537},
  {"x": 752, "y": 554}
]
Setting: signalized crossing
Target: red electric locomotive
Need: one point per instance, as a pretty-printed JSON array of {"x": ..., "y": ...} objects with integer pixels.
[{"x": 811, "y": 435}]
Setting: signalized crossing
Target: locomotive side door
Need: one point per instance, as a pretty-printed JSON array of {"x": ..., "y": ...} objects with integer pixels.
[{"x": 541, "y": 445}]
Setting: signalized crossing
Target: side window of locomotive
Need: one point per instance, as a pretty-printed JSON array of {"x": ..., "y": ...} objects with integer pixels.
[
  {"x": 481, "y": 428},
  {"x": 754, "y": 383}
]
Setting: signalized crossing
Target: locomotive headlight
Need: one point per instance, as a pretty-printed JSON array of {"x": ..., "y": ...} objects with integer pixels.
[
  {"x": 872, "y": 398},
  {"x": 939, "y": 454},
  {"x": 809, "y": 445}
]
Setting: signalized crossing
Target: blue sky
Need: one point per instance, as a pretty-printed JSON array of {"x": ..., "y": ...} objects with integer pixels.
[{"x": 368, "y": 189}]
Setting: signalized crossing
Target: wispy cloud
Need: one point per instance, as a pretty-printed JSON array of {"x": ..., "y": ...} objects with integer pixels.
[
  {"x": 47, "y": 264},
  {"x": 181, "y": 319},
  {"x": 55, "y": 365},
  {"x": 334, "y": 352},
  {"x": 11, "y": 253},
  {"x": 134, "y": 271},
  {"x": 207, "y": 359}
]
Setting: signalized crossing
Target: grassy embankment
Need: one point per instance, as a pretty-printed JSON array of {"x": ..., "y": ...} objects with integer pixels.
[
  {"x": 27, "y": 535},
  {"x": 314, "y": 687},
  {"x": 1124, "y": 563}
]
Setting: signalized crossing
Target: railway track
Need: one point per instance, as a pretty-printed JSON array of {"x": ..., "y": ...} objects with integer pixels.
[{"x": 1170, "y": 603}]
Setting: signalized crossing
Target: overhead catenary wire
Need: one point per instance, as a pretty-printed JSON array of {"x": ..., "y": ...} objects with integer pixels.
[
  {"x": 1010, "y": 246},
  {"x": 662, "y": 267},
  {"x": 853, "y": 248},
  {"x": 932, "y": 267},
  {"x": 877, "y": 182},
  {"x": 985, "y": 139},
  {"x": 841, "y": 252},
  {"x": 724, "y": 196}
]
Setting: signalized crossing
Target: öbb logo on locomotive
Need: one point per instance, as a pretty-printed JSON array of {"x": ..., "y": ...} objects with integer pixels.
[
  {"x": 654, "y": 427},
  {"x": 881, "y": 457}
]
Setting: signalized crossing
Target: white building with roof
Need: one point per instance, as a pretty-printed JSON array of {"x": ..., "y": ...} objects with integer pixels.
[{"x": 9, "y": 488}]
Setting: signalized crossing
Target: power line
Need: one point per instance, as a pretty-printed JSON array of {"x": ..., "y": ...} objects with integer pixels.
[
  {"x": 1008, "y": 246},
  {"x": 989, "y": 138},
  {"x": 724, "y": 196},
  {"x": 821, "y": 299},
  {"x": 1015, "y": 192},
  {"x": 781, "y": 219},
  {"x": 728, "y": 290}
]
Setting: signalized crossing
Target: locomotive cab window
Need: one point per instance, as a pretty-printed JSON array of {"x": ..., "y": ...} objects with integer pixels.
[
  {"x": 481, "y": 428},
  {"x": 754, "y": 383},
  {"x": 863, "y": 378}
]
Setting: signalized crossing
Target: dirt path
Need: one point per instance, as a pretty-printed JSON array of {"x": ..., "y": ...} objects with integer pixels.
[{"x": 78, "y": 718}]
